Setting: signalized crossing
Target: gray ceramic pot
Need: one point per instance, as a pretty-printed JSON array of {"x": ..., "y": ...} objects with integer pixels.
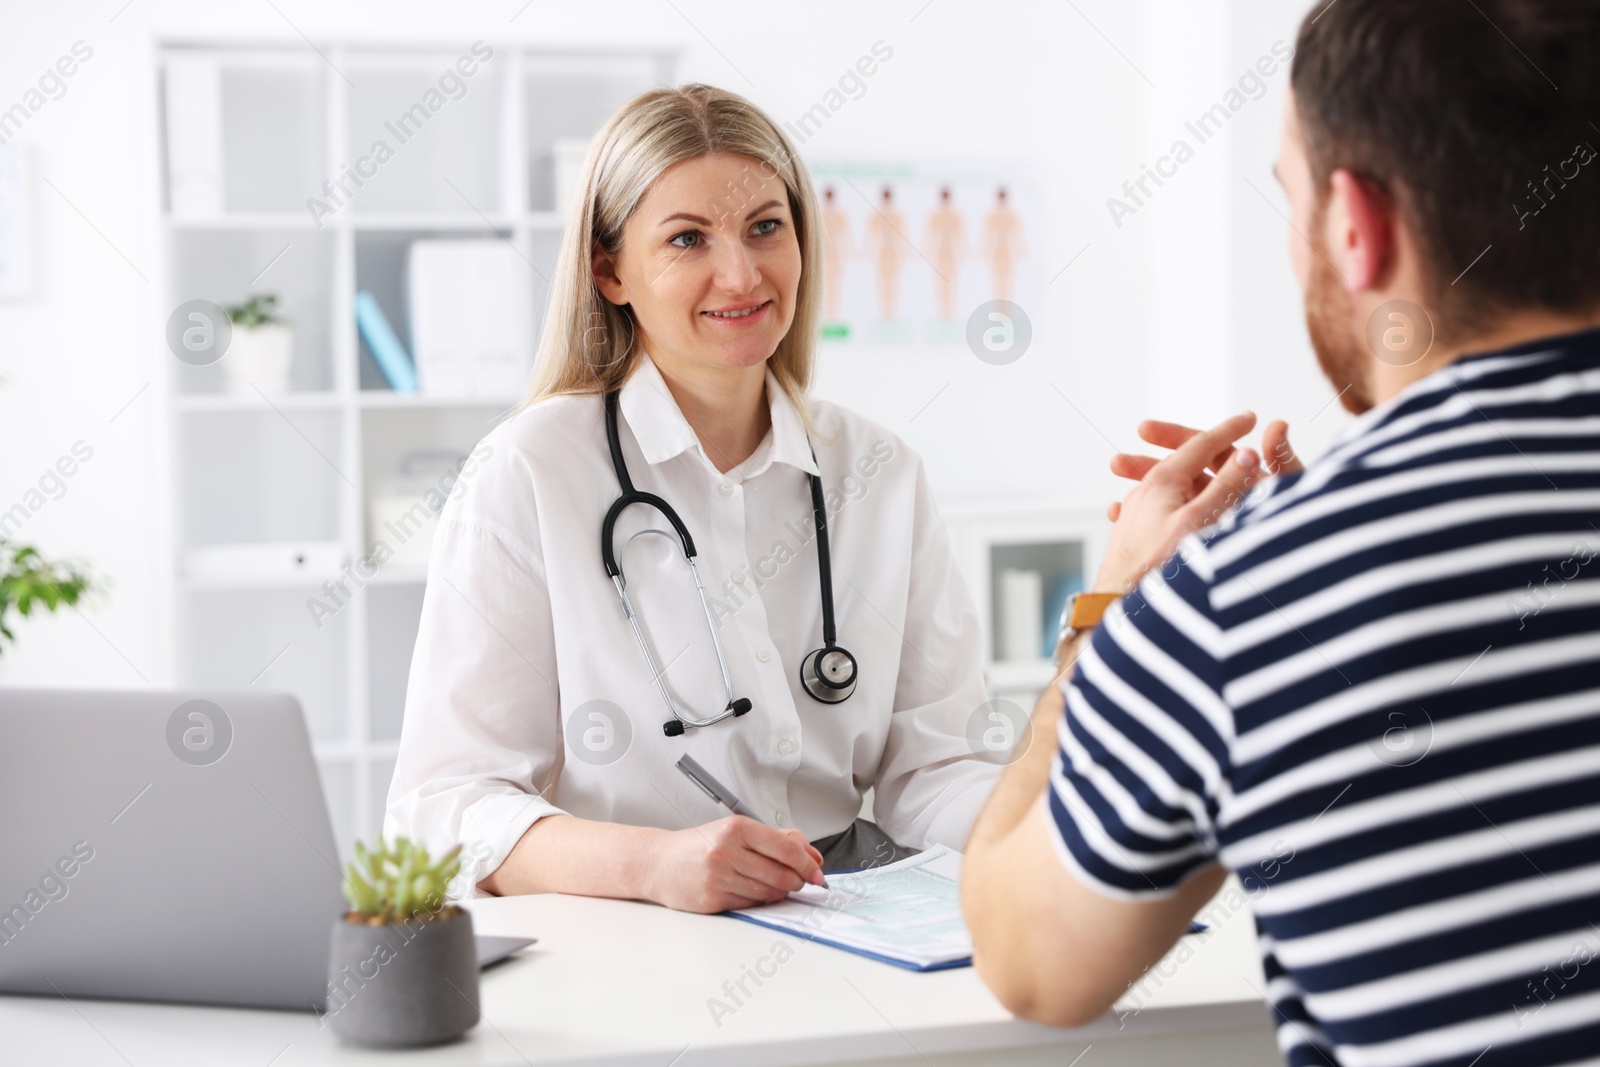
[{"x": 402, "y": 985}]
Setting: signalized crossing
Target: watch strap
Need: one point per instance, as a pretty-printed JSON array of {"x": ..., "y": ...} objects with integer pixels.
[{"x": 1086, "y": 609}]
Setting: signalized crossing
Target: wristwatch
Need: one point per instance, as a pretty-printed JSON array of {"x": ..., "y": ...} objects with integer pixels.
[{"x": 1083, "y": 612}]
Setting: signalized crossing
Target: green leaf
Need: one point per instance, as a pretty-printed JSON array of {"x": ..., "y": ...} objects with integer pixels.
[
  {"x": 29, "y": 580},
  {"x": 363, "y": 897},
  {"x": 401, "y": 879}
]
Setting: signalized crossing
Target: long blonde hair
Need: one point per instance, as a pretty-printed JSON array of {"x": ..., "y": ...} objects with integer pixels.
[{"x": 587, "y": 344}]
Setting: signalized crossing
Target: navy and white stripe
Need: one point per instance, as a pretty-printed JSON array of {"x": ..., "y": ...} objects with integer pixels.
[{"x": 1374, "y": 692}]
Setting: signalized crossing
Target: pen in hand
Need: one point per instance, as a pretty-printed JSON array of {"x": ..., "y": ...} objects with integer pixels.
[{"x": 721, "y": 794}]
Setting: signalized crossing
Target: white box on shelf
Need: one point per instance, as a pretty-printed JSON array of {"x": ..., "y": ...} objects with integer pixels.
[
  {"x": 569, "y": 154},
  {"x": 469, "y": 318},
  {"x": 1021, "y": 621},
  {"x": 265, "y": 562},
  {"x": 403, "y": 512},
  {"x": 194, "y": 136}
]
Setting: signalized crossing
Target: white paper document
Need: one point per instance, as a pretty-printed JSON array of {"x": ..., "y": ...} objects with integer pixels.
[{"x": 907, "y": 914}]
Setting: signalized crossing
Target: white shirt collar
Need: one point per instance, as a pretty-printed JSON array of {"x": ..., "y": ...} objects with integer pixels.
[{"x": 662, "y": 431}]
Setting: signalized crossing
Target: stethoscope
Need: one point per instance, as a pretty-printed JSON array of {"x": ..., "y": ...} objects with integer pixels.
[{"x": 828, "y": 673}]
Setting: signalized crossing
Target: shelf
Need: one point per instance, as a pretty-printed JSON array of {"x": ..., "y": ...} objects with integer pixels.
[
  {"x": 253, "y": 401},
  {"x": 398, "y": 575},
  {"x": 256, "y": 583},
  {"x": 366, "y": 398},
  {"x": 346, "y": 751},
  {"x": 1007, "y": 675},
  {"x": 306, "y": 465},
  {"x": 372, "y": 220},
  {"x": 245, "y": 220},
  {"x": 393, "y": 575},
  {"x": 431, "y": 220},
  {"x": 383, "y": 398}
]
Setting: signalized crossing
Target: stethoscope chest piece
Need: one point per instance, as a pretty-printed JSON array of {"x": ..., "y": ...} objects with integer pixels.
[{"x": 829, "y": 674}]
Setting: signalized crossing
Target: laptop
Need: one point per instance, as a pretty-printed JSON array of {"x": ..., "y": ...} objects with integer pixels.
[{"x": 167, "y": 846}]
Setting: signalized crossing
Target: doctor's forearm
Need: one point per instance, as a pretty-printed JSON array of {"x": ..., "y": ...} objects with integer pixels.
[{"x": 564, "y": 854}]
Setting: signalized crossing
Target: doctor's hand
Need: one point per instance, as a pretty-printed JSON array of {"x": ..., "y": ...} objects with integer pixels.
[
  {"x": 1181, "y": 493},
  {"x": 734, "y": 862}
]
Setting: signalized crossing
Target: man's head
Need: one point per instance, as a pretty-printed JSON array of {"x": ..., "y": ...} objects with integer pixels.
[{"x": 1442, "y": 162}]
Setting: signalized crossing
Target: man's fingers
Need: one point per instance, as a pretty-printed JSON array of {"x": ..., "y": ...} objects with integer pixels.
[
  {"x": 1165, "y": 434},
  {"x": 1276, "y": 450},
  {"x": 1226, "y": 490},
  {"x": 1113, "y": 509},
  {"x": 1132, "y": 467},
  {"x": 1178, "y": 471},
  {"x": 1173, "y": 434}
]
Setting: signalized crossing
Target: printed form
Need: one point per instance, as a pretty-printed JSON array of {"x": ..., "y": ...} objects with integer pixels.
[{"x": 907, "y": 913}]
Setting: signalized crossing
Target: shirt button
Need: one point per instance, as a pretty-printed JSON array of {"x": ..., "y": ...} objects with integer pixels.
[
  {"x": 778, "y": 818},
  {"x": 740, "y": 575},
  {"x": 763, "y": 655},
  {"x": 786, "y": 746},
  {"x": 726, "y": 488}
]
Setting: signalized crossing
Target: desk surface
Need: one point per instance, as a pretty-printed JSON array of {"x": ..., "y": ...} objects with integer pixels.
[{"x": 616, "y": 983}]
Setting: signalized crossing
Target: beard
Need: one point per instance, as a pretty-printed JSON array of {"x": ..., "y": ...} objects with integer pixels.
[{"x": 1341, "y": 351}]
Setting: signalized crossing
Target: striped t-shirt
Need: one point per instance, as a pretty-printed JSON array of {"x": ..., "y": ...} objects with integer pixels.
[{"x": 1373, "y": 692}]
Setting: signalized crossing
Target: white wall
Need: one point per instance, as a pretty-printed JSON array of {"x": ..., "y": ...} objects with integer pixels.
[
  {"x": 1275, "y": 372},
  {"x": 1185, "y": 311},
  {"x": 82, "y": 348}
]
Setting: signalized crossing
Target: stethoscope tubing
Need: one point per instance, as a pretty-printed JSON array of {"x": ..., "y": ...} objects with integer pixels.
[{"x": 812, "y": 677}]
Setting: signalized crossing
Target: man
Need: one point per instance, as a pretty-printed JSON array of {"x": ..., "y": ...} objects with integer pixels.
[{"x": 1373, "y": 689}]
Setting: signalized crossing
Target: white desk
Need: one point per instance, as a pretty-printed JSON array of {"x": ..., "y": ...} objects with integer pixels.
[{"x": 618, "y": 984}]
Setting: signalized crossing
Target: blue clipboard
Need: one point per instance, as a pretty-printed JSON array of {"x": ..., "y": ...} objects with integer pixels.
[{"x": 964, "y": 961}]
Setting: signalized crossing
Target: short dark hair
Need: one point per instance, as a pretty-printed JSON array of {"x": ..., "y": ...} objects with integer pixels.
[{"x": 1471, "y": 117}]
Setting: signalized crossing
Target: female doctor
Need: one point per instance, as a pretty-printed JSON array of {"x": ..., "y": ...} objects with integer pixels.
[{"x": 636, "y": 570}]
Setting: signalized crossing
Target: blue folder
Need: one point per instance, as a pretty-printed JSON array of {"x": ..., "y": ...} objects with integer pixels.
[{"x": 387, "y": 351}]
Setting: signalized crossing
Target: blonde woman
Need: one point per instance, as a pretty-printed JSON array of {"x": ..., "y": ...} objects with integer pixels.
[{"x": 799, "y": 662}]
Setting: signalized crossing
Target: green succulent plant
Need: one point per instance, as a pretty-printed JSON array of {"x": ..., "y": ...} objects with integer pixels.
[
  {"x": 260, "y": 309},
  {"x": 397, "y": 881}
]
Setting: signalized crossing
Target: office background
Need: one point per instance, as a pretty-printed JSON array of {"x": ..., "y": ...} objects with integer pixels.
[{"x": 1182, "y": 308}]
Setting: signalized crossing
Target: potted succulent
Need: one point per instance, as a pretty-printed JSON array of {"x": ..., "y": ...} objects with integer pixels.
[
  {"x": 403, "y": 965},
  {"x": 262, "y": 345}
]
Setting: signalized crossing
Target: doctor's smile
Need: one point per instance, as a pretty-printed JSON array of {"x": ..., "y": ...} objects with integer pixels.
[{"x": 739, "y": 315}]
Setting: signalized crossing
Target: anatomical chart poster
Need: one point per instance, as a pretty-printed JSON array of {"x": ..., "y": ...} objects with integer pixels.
[{"x": 910, "y": 250}]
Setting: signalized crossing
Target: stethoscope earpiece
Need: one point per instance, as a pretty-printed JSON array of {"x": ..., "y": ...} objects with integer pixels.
[{"x": 675, "y": 727}]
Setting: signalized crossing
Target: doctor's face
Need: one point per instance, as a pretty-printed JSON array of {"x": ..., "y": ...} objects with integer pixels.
[{"x": 709, "y": 264}]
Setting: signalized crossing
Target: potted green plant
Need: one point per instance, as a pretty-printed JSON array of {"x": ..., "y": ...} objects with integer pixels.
[
  {"x": 262, "y": 346},
  {"x": 29, "y": 581},
  {"x": 403, "y": 965}
]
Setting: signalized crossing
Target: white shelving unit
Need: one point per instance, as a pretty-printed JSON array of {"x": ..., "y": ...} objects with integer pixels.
[
  {"x": 298, "y": 467},
  {"x": 1062, "y": 545}
]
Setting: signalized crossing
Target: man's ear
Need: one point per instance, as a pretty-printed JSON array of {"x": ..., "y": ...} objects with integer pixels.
[
  {"x": 1359, "y": 231},
  {"x": 604, "y": 266}
]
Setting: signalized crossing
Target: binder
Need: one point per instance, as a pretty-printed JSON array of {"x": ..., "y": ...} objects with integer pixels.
[{"x": 387, "y": 351}]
